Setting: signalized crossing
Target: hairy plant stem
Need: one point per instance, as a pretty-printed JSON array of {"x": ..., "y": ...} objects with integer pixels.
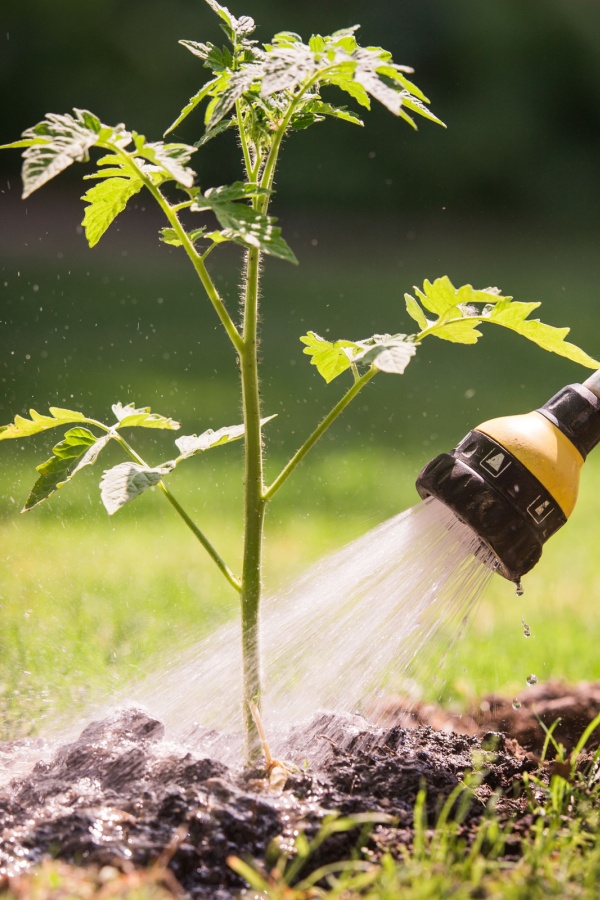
[{"x": 254, "y": 505}]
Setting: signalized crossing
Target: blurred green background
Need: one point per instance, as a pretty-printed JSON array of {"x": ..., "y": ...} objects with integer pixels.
[{"x": 507, "y": 196}]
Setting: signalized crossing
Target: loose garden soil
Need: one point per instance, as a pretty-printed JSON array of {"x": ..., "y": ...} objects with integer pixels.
[{"x": 122, "y": 797}]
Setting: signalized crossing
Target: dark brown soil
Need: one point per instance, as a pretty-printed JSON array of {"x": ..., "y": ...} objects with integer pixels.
[
  {"x": 121, "y": 796},
  {"x": 573, "y": 706}
]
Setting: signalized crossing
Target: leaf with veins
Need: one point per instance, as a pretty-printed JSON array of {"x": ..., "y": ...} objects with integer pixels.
[
  {"x": 389, "y": 353},
  {"x": 191, "y": 444},
  {"x": 130, "y": 417},
  {"x": 127, "y": 481},
  {"x": 78, "y": 448}
]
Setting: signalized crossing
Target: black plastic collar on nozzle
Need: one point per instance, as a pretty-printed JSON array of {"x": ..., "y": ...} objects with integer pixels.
[
  {"x": 576, "y": 412},
  {"x": 498, "y": 497}
]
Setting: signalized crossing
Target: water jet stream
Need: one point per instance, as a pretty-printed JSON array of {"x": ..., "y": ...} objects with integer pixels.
[
  {"x": 350, "y": 626},
  {"x": 333, "y": 638}
]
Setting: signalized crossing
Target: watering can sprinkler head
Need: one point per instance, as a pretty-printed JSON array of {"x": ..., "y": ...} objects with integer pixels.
[{"x": 514, "y": 480}]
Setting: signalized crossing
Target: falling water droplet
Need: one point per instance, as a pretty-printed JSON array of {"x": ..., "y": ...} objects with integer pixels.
[
  {"x": 531, "y": 679},
  {"x": 516, "y": 704},
  {"x": 526, "y": 628},
  {"x": 519, "y": 589}
]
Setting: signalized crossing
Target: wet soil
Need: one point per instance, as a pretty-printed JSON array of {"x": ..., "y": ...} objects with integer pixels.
[{"x": 120, "y": 795}]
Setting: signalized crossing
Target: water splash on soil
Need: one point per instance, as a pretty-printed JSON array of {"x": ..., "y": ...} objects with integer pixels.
[
  {"x": 331, "y": 640},
  {"x": 356, "y": 621}
]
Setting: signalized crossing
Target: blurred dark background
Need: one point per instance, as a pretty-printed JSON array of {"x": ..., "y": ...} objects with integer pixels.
[{"x": 508, "y": 195}]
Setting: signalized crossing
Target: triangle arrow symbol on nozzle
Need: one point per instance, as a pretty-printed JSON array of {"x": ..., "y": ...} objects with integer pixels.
[{"x": 496, "y": 462}]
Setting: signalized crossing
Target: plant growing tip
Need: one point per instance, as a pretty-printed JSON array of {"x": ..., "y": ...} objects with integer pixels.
[{"x": 263, "y": 93}]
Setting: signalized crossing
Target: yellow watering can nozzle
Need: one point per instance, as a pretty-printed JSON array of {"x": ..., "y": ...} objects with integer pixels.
[{"x": 514, "y": 480}]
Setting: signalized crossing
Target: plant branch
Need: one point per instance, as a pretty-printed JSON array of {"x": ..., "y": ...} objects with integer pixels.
[
  {"x": 195, "y": 258},
  {"x": 243, "y": 141},
  {"x": 201, "y": 270},
  {"x": 318, "y": 432},
  {"x": 214, "y": 555},
  {"x": 254, "y": 505}
]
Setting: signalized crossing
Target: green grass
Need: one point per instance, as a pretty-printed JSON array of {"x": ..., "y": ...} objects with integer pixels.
[
  {"x": 87, "y": 603},
  {"x": 90, "y": 602}
]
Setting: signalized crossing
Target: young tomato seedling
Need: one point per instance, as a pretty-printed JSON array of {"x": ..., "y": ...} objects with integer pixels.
[{"x": 263, "y": 93}]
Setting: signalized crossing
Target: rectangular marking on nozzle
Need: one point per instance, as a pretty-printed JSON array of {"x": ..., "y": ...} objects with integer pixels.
[{"x": 539, "y": 509}]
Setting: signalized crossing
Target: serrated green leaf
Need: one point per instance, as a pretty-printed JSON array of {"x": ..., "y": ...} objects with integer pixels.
[
  {"x": 239, "y": 27},
  {"x": 319, "y": 108},
  {"x": 389, "y": 353},
  {"x": 17, "y": 145},
  {"x": 330, "y": 357},
  {"x": 54, "y": 143},
  {"x": 461, "y": 331},
  {"x": 439, "y": 296},
  {"x": 239, "y": 190},
  {"x": 283, "y": 38},
  {"x": 130, "y": 417},
  {"x": 26, "y": 427},
  {"x": 514, "y": 316},
  {"x": 199, "y": 49},
  {"x": 397, "y": 74},
  {"x": 61, "y": 467},
  {"x": 218, "y": 129},
  {"x": 460, "y": 318},
  {"x": 353, "y": 88},
  {"x": 415, "y": 311},
  {"x": 231, "y": 86},
  {"x": 192, "y": 444},
  {"x": 170, "y": 236},
  {"x": 171, "y": 158},
  {"x": 191, "y": 105},
  {"x": 285, "y": 67},
  {"x": 243, "y": 224},
  {"x": 418, "y": 107},
  {"x": 106, "y": 200},
  {"x": 221, "y": 11},
  {"x": 127, "y": 481}
]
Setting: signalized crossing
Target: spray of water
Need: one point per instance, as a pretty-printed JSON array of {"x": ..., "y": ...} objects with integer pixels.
[
  {"x": 353, "y": 624},
  {"x": 357, "y": 619}
]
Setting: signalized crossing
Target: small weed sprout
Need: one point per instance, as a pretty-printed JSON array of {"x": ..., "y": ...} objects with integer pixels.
[{"x": 263, "y": 93}]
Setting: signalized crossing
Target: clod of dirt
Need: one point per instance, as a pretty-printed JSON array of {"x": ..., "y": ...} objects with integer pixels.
[{"x": 120, "y": 795}]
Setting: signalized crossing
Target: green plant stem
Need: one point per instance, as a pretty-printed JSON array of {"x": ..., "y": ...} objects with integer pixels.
[
  {"x": 329, "y": 419},
  {"x": 214, "y": 555},
  {"x": 201, "y": 270},
  {"x": 244, "y": 142},
  {"x": 254, "y": 505}
]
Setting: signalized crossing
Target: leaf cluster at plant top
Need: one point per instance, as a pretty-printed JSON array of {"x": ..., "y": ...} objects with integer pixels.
[{"x": 264, "y": 93}]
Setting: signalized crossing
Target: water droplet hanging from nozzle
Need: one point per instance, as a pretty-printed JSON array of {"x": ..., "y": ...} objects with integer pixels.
[{"x": 514, "y": 480}]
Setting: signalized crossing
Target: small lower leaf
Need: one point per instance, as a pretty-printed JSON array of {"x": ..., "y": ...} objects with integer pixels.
[
  {"x": 330, "y": 358},
  {"x": 127, "y": 481},
  {"x": 130, "y": 417},
  {"x": 170, "y": 236},
  {"x": 64, "y": 463},
  {"x": 388, "y": 353},
  {"x": 105, "y": 201},
  {"x": 23, "y": 427},
  {"x": 191, "y": 444}
]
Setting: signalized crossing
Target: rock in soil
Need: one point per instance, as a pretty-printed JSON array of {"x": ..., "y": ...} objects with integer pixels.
[{"x": 122, "y": 796}]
